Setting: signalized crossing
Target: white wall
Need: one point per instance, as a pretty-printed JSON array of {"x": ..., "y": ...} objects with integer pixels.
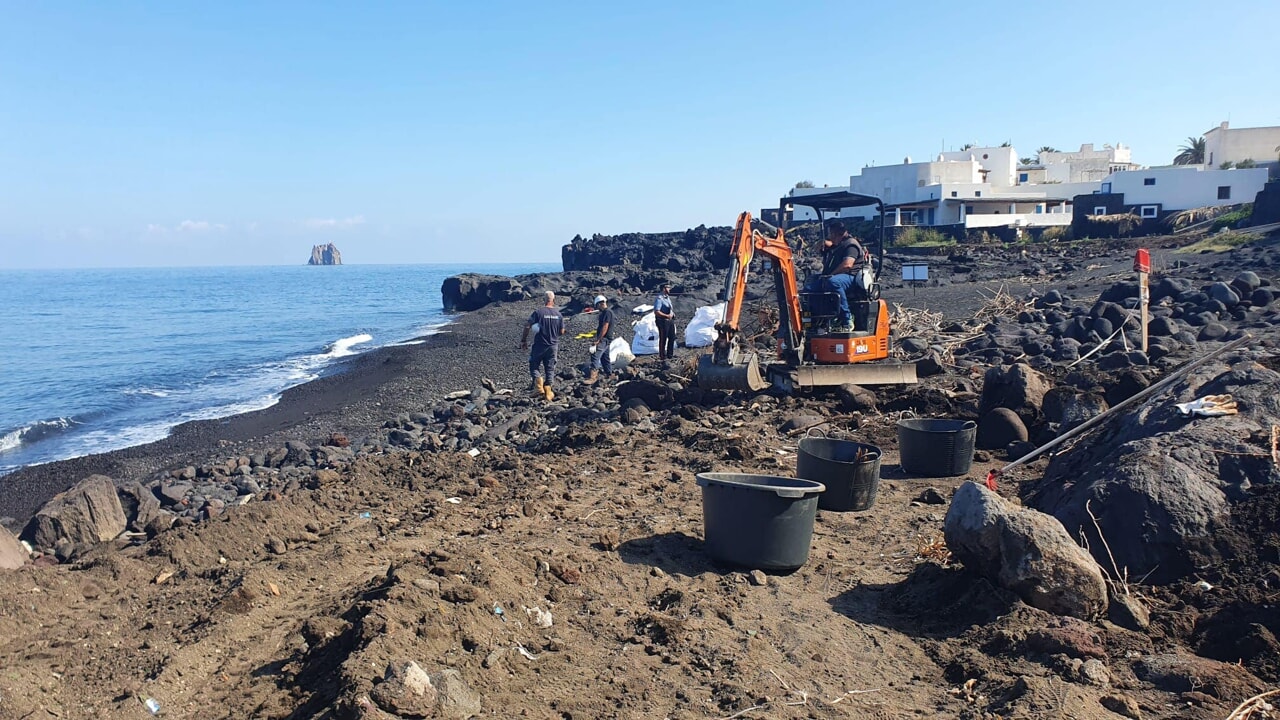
[
  {"x": 1024, "y": 219},
  {"x": 909, "y": 182},
  {"x": 1186, "y": 187},
  {"x": 1225, "y": 144},
  {"x": 1001, "y": 163},
  {"x": 1085, "y": 164}
]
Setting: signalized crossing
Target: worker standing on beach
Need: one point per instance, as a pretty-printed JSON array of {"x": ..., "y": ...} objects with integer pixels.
[
  {"x": 600, "y": 360},
  {"x": 547, "y": 325},
  {"x": 664, "y": 313}
]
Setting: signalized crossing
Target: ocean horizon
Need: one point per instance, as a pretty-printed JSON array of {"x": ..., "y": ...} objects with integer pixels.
[{"x": 100, "y": 359}]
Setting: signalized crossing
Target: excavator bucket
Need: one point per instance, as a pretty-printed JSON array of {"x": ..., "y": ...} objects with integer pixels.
[{"x": 740, "y": 376}]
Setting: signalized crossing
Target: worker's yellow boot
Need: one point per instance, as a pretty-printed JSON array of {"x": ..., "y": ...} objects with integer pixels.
[
  {"x": 537, "y": 386},
  {"x": 592, "y": 378},
  {"x": 546, "y": 392}
]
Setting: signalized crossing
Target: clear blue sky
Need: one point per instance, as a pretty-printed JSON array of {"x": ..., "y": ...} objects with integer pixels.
[{"x": 175, "y": 133}]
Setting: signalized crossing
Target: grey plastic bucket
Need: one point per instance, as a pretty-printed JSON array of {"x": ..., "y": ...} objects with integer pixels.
[
  {"x": 762, "y": 522},
  {"x": 935, "y": 447},
  {"x": 851, "y": 483}
]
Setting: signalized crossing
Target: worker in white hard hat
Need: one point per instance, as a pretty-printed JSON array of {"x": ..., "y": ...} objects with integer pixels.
[{"x": 600, "y": 360}]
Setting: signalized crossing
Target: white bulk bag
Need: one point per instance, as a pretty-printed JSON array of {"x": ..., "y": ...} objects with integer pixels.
[
  {"x": 620, "y": 354},
  {"x": 701, "y": 330},
  {"x": 645, "y": 340}
]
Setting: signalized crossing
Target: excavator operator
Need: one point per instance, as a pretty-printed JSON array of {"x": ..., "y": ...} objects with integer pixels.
[{"x": 843, "y": 259}]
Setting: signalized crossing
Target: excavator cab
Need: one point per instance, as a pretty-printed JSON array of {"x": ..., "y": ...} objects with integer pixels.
[{"x": 812, "y": 352}]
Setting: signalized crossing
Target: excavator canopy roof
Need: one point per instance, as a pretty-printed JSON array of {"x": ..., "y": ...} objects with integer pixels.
[{"x": 834, "y": 200}]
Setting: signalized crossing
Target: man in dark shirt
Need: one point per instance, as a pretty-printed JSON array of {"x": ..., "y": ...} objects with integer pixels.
[
  {"x": 600, "y": 360},
  {"x": 548, "y": 326},
  {"x": 842, "y": 259}
]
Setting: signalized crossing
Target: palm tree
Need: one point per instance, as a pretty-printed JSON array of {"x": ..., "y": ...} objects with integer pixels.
[
  {"x": 805, "y": 184},
  {"x": 1192, "y": 153},
  {"x": 966, "y": 146},
  {"x": 1046, "y": 148},
  {"x": 1007, "y": 143},
  {"x": 1027, "y": 161}
]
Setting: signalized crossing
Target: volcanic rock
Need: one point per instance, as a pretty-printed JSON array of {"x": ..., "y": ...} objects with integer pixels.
[
  {"x": 1024, "y": 551},
  {"x": 88, "y": 513},
  {"x": 472, "y": 291},
  {"x": 1000, "y": 427},
  {"x": 1018, "y": 388},
  {"x": 325, "y": 255},
  {"x": 12, "y": 554}
]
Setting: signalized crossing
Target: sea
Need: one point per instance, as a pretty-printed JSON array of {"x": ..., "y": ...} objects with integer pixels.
[{"x": 104, "y": 359}]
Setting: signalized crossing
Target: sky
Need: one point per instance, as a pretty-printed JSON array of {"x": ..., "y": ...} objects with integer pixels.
[{"x": 242, "y": 133}]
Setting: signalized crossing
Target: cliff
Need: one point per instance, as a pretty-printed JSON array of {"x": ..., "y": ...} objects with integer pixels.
[{"x": 325, "y": 255}]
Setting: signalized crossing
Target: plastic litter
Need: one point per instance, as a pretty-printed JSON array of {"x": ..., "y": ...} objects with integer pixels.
[
  {"x": 454, "y": 500},
  {"x": 497, "y": 610},
  {"x": 1209, "y": 406},
  {"x": 365, "y": 515},
  {"x": 541, "y": 618},
  {"x": 520, "y": 649},
  {"x": 473, "y": 452},
  {"x": 152, "y": 705},
  {"x": 1204, "y": 586}
]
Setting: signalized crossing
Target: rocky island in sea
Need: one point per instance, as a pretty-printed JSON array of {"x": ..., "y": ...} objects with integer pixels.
[{"x": 326, "y": 254}]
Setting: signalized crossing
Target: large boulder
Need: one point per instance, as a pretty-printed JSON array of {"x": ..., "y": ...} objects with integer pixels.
[
  {"x": 12, "y": 554},
  {"x": 1018, "y": 388},
  {"x": 472, "y": 291},
  {"x": 1000, "y": 427},
  {"x": 87, "y": 514},
  {"x": 1160, "y": 483},
  {"x": 1024, "y": 551}
]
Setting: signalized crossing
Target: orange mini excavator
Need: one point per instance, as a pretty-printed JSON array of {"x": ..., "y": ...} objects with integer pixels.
[{"x": 810, "y": 354}]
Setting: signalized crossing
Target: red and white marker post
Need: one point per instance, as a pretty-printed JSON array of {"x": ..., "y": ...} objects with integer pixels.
[{"x": 1142, "y": 266}]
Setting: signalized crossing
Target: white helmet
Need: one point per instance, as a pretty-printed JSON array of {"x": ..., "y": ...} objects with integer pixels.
[{"x": 599, "y": 299}]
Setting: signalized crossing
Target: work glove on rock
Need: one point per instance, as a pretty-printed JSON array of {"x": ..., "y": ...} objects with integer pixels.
[{"x": 1209, "y": 406}]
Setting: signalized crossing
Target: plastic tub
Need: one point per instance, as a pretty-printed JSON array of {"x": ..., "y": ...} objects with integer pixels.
[
  {"x": 850, "y": 470},
  {"x": 935, "y": 447},
  {"x": 761, "y": 522}
]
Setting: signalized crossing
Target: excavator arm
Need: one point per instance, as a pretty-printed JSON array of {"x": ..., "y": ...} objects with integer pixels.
[{"x": 730, "y": 366}]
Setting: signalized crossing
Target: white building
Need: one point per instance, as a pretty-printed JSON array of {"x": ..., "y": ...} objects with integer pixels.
[
  {"x": 1224, "y": 144},
  {"x": 973, "y": 188},
  {"x": 1155, "y": 192},
  {"x": 1083, "y": 165}
]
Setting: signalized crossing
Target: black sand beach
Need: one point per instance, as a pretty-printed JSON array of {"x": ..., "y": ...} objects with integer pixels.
[{"x": 355, "y": 399}]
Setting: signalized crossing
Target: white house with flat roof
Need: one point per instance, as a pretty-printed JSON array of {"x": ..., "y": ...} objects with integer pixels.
[
  {"x": 1155, "y": 192},
  {"x": 972, "y": 188},
  {"x": 1225, "y": 144}
]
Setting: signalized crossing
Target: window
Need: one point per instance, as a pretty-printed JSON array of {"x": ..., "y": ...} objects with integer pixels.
[
  {"x": 968, "y": 209},
  {"x": 1148, "y": 181},
  {"x": 920, "y": 183},
  {"x": 977, "y": 193},
  {"x": 1149, "y": 211},
  {"x": 1039, "y": 209},
  {"x": 1106, "y": 188},
  {"x": 1224, "y": 192},
  {"x": 1022, "y": 177},
  {"x": 953, "y": 193},
  {"x": 1100, "y": 210}
]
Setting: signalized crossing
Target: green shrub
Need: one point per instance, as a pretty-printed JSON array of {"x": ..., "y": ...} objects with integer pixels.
[
  {"x": 922, "y": 237},
  {"x": 1233, "y": 218}
]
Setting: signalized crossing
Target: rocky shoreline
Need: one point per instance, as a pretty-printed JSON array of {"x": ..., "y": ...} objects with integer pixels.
[{"x": 466, "y": 514}]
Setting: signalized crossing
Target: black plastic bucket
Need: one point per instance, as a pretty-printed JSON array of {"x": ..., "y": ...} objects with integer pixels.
[
  {"x": 851, "y": 482},
  {"x": 758, "y": 521},
  {"x": 936, "y": 448}
]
